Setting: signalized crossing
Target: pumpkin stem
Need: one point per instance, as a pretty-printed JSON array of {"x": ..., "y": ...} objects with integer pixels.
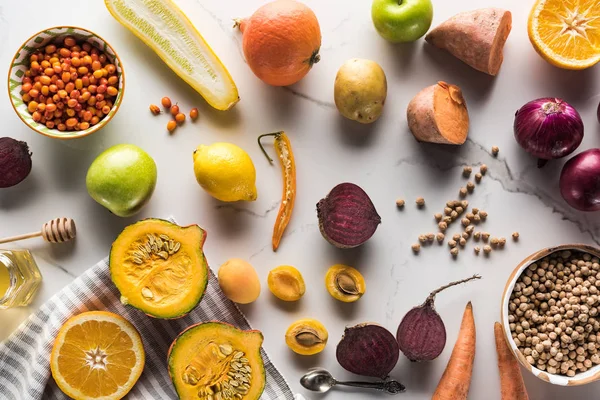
[
  {"x": 314, "y": 58},
  {"x": 276, "y": 134},
  {"x": 239, "y": 23}
]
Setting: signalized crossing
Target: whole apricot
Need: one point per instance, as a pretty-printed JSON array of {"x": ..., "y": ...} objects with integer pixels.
[{"x": 239, "y": 281}]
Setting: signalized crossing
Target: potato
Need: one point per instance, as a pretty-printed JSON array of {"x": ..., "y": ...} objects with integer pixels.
[{"x": 360, "y": 90}]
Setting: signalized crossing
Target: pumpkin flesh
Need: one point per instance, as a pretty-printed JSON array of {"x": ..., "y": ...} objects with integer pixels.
[
  {"x": 216, "y": 358},
  {"x": 159, "y": 267}
]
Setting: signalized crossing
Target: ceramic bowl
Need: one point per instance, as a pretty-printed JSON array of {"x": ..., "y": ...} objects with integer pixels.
[
  {"x": 582, "y": 378},
  {"x": 20, "y": 63}
]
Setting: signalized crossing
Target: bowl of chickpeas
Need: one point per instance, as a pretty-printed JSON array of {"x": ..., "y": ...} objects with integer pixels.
[
  {"x": 66, "y": 82},
  {"x": 551, "y": 314}
]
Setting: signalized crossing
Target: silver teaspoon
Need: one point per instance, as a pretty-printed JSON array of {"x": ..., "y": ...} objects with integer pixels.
[{"x": 320, "y": 380}]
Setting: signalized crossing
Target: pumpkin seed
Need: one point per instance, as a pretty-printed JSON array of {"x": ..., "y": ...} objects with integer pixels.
[
  {"x": 238, "y": 355},
  {"x": 234, "y": 383},
  {"x": 244, "y": 360},
  {"x": 147, "y": 293},
  {"x": 148, "y": 248},
  {"x": 163, "y": 236},
  {"x": 163, "y": 254},
  {"x": 308, "y": 338},
  {"x": 171, "y": 244},
  {"x": 226, "y": 349},
  {"x": 138, "y": 254},
  {"x": 176, "y": 247},
  {"x": 138, "y": 261},
  {"x": 346, "y": 284},
  {"x": 247, "y": 367}
]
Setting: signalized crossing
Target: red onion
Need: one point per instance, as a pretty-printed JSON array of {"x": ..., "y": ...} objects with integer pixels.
[
  {"x": 580, "y": 181},
  {"x": 548, "y": 128}
]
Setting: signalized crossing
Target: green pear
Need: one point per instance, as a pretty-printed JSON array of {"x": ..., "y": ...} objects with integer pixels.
[{"x": 122, "y": 179}]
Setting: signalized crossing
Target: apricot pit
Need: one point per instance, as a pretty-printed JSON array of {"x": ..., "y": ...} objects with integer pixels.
[
  {"x": 306, "y": 337},
  {"x": 345, "y": 283}
]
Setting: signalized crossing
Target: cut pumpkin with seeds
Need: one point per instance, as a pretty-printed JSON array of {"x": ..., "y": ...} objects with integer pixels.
[
  {"x": 566, "y": 33},
  {"x": 159, "y": 267},
  {"x": 166, "y": 30},
  {"x": 97, "y": 355}
]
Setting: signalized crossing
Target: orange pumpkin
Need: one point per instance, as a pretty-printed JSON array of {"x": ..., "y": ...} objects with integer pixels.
[{"x": 281, "y": 41}]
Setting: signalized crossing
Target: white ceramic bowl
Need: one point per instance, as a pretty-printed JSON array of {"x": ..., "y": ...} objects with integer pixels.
[{"x": 588, "y": 376}]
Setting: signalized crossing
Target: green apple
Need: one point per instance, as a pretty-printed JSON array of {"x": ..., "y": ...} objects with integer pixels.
[
  {"x": 402, "y": 20},
  {"x": 122, "y": 179}
]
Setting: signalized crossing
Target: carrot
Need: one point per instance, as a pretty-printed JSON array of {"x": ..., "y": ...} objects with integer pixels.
[
  {"x": 475, "y": 37},
  {"x": 438, "y": 114},
  {"x": 511, "y": 380},
  {"x": 456, "y": 379}
]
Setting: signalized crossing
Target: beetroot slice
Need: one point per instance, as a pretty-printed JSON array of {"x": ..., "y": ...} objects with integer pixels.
[
  {"x": 347, "y": 216},
  {"x": 15, "y": 162},
  {"x": 368, "y": 350}
]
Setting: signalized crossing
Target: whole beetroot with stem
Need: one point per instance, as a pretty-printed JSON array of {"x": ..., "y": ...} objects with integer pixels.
[{"x": 421, "y": 335}]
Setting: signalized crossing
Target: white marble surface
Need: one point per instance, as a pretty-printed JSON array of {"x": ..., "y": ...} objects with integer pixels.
[{"x": 383, "y": 158}]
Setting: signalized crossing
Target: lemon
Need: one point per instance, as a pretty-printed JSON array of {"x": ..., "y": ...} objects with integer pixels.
[
  {"x": 166, "y": 30},
  {"x": 225, "y": 171}
]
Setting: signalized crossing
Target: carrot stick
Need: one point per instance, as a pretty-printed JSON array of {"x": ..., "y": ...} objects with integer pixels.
[
  {"x": 456, "y": 379},
  {"x": 511, "y": 380}
]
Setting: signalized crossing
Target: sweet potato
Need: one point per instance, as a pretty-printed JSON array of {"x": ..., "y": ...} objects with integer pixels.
[
  {"x": 475, "y": 37},
  {"x": 438, "y": 114}
]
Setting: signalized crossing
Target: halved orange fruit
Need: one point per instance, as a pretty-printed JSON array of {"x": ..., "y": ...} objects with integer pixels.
[
  {"x": 566, "y": 33},
  {"x": 97, "y": 355}
]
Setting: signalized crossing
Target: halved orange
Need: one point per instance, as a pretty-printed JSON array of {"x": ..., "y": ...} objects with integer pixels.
[
  {"x": 566, "y": 33},
  {"x": 97, "y": 355}
]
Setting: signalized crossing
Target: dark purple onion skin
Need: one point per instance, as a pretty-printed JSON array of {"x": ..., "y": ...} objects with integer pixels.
[
  {"x": 368, "y": 350},
  {"x": 347, "y": 216},
  {"x": 580, "y": 181},
  {"x": 15, "y": 162},
  {"x": 548, "y": 128},
  {"x": 422, "y": 334}
]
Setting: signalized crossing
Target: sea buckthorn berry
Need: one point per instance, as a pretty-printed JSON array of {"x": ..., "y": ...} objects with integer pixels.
[
  {"x": 166, "y": 102},
  {"x": 180, "y": 118},
  {"x": 194, "y": 114}
]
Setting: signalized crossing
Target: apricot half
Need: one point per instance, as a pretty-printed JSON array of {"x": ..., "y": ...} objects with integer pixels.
[
  {"x": 286, "y": 283},
  {"x": 345, "y": 283},
  {"x": 306, "y": 337}
]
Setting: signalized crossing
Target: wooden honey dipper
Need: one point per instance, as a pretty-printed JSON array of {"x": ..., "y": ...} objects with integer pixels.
[{"x": 59, "y": 230}]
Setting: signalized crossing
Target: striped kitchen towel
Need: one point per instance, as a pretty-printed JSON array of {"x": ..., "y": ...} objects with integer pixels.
[{"x": 25, "y": 355}]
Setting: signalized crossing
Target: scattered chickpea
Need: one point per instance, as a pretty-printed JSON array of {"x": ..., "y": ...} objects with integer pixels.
[
  {"x": 483, "y": 169},
  {"x": 443, "y": 226},
  {"x": 430, "y": 237},
  {"x": 452, "y": 243},
  {"x": 477, "y": 236},
  {"x": 459, "y": 210},
  {"x": 456, "y": 237},
  {"x": 483, "y": 214},
  {"x": 174, "y": 110},
  {"x": 420, "y": 202},
  {"x": 495, "y": 150},
  {"x": 465, "y": 221},
  {"x": 422, "y": 239},
  {"x": 502, "y": 242},
  {"x": 494, "y": 241},
  {"x": 515, "y": 236},
  {"x": 171, "y": 125},
  {"x": 465, "y": 235},
  {"x": 180, "y": 118},
  {"x": 438, "y": 217},
  {"x": 454, "y": 251},
  {"x": 477, "y": 249},
  {"x": 485, "y": 236},
  {"x": 194, "y": 114},
  {"x": 470, "y": 216},
  {"x": 462, "y": 192},
  {"x": 447, "y": 210},
  {"x": 416, "y": 247},
  {"x": 166, "y": 102},
  {"x": 487, "y": 249},
  {"x": 462, "y": 242},
  {"x": 453, "y": 215},
  {"x": 469, "y": 229},
  {"x": 467, "y": 171},
  {"x": 475, "y": 210},
  {"x": 464, "y": 204},
  {"x": 448, "y": 219},
  {"x": 440, "y": 237},
  {"x": 400, "y": 203},
  {"x": 476, "y": 218},
  {"x": 470, "y": 187},
  {"x": 478, "y": 177}
]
